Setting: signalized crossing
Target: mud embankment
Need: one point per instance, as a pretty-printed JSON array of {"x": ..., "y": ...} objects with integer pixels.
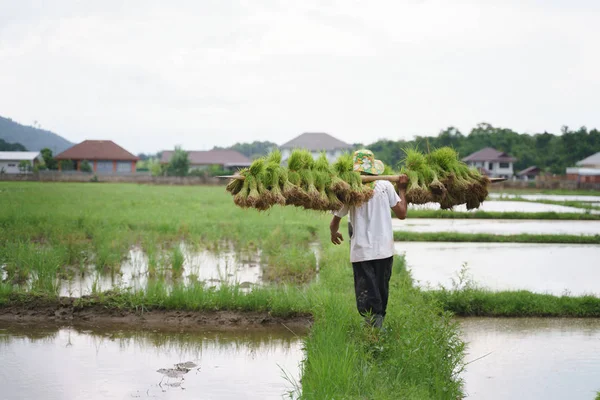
[{"x": 73, "y": 312}]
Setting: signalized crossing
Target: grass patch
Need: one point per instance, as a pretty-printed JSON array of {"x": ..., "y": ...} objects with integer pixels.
[
  {"x": 567, "y": 203},
  {"x": 401, "y": 236},
  {"x": 550, "y": 215},
  {"x": 473, "y": 302}
]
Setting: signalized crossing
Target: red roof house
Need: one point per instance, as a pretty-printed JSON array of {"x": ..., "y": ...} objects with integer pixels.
[{"x": 105, "y": 156}]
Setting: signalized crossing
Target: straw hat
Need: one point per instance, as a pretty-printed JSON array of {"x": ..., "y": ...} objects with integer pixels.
[{"x": 365, "y": 162}]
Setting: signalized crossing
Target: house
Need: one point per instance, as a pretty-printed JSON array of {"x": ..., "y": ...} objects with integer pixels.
[
  {"x": 529, "y": 174},
  {"x": 587, "y": 170},
  {"x": 104, "y": 156},
  {"x": 316, "y": 143},
  {"x": 227, "y": 159},
  {"x": 498, "y": 163},
  {"x": 11, "y": 161}
]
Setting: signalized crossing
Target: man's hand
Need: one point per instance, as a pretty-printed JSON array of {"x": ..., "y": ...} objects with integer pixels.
[
  {"x": 402, "y": 184},
  {"x": 336, "y": 238}
]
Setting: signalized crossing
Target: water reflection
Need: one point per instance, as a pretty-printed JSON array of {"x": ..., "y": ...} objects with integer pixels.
[
  {"x": 540, "y": 196},
  {"x": 532, "y": 358},
  {"x": 198, "y": 266},
  {"x": 498, "y": 226},
  {"x": 508, "y": 206},
  {"x": 544, "y": 268},
  {"x": 71, "y": 363}
]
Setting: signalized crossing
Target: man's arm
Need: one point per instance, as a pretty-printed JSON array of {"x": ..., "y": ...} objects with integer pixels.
[
  {"x": 401, "y": 208},
  {"x": 334, "y": 227}
]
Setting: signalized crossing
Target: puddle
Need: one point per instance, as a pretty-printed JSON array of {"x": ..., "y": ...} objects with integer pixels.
[
  {"x": 497, "y": 226},
  {"x": 508, "y": 206},
  {"x": 553, "y": 197},
  {"x": 532, "y": 358},
  {"x": 69, "y": 363},
  {"x": 543, "y": 268},
  {"x": 202, "y": 266}
]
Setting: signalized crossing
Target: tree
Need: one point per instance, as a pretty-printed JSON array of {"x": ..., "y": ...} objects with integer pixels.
[
  {"x": 66, "y": 165},
  {"x": 25, "y": 166},
  {"x": 49, "y": 160},
  {"x": 85, "y": 166},
  {"x": 5, "y": 146},
  {"x": 179, "y": 164}
]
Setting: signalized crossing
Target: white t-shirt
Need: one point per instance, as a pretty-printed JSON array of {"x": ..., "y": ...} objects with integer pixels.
[{"x": 372, "y": 237}]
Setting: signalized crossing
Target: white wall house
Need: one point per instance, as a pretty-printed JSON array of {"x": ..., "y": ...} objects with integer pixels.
[
  {"x": 10, "y": 160},
  {"x": 494, "y": 163},
  {"x": 316, "y": 143}
]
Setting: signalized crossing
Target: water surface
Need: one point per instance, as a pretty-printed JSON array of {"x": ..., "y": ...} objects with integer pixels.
[
  {"x": 532, "y": 358},
  {"x": 69, "y": 363},
  {"x": 543, "y": 268},
  {"x": 553, "y": 197},
  {"x": 497, "y": 226},
  {"x": 508, "y": 206}
]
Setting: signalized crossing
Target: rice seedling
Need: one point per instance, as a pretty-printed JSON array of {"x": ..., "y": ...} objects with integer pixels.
[{"x": 312, "y": 184}]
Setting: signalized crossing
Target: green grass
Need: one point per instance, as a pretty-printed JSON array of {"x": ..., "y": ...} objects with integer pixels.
[
  {"x": 402, "y": 236},
  {"x": 549, "y": 215},
  {"x": 473, "y": 302}
]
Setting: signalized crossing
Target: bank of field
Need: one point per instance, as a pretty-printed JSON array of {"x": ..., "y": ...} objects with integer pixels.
[
  {"x": 544, "y": 215},
  {"x": 50, "y": 232},
  {"x": 406, "y": 236}
]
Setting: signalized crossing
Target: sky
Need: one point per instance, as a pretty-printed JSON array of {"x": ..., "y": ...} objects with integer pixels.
[{"x": 151, "y": 75}]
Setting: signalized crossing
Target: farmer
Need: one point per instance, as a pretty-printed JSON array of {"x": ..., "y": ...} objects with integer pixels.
[{"x": 371, "y": 239}]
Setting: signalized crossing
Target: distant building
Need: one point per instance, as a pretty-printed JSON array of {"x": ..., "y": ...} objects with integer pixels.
[
  {"x": 104, "y": 156},
  {"x": 11, "y": 160},
  {"x": 529, "y": 174},
  {"x": 316, "y": 143},
  {"x": 587, "y": 170},
  {"x": 227, "y": 159},
  {"x": 495, "y": 163}
]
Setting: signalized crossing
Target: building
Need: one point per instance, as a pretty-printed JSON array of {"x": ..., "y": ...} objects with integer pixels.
[
  {"x": 587, "y": 170},
  {"x": 316, "y": 143},
  {"x": 11, "y": 161},
  {"x": 104, "y": 156},
  {"x": 497, "y": 163},
  {"x": 529, "y": 174},
  {"x": 227, "y": 159}
]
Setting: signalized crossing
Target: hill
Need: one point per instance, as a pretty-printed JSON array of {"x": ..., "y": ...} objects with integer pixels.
[{"x": 33, "y": 139}]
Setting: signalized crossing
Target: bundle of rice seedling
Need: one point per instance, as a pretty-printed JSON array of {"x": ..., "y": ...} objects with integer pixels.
[
  {"x": 463, "y": 185},
  {"x": 323, "y": 181},
  {"x": 295, "y": 165},
  {"x": 236, "y": 185},
  {"x": 339, "y": 183},
  {"x": 419, "y": 175}
]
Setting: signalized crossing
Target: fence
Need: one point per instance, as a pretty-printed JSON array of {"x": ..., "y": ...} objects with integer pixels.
[{"x": 142, "y": 177}]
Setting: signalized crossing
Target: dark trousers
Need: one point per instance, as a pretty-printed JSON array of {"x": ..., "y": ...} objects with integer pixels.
[{"x": 372, "y": 284}]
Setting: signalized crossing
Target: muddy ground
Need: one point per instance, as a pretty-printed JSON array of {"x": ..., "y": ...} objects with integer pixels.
[{"x": 69, "y": 311}]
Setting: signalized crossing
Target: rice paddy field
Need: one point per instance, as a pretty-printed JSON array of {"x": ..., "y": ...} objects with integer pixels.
[{"x": 78, "y": 261}]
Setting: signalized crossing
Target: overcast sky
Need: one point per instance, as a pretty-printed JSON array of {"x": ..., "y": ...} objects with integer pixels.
[{"x": 154, "y": 74}]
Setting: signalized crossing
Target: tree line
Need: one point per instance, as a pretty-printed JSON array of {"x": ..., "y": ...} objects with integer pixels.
[{"x": 550, "y": 152}]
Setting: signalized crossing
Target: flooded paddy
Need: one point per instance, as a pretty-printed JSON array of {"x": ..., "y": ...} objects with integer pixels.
[
  {"x": 552, "y": 197},
  {"x": 531, "y": 358},
  {"x": 508, "y": 206},
  {"x": 137, "y": 270},
  {"x": 542, "y": 268},
  {"x": 72, "y": 363},
  {"x": 497, "y": 226}
]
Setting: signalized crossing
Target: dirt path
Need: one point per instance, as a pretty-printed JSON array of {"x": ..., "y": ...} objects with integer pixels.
[{"x": 64, "y": 311}]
